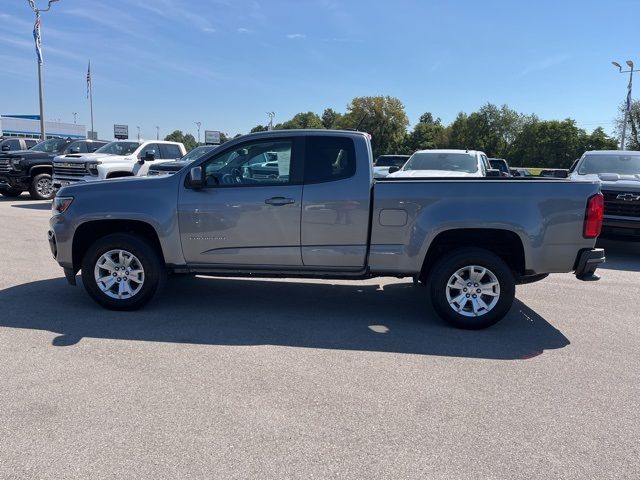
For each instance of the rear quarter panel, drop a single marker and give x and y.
(547, 216)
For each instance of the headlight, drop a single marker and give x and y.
(61, 204)
(92, 168)
(15, 163)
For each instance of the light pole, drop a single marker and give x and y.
(157, 132)
(198, 124)
(38, 39)
(627, 107)
(138, 132)
(75, 114)
(271, 115)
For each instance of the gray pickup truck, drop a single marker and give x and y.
(305, 204)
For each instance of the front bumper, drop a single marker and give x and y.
(14, 181)
(587, 262)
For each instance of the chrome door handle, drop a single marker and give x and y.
(279, 201)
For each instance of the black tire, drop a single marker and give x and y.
(451, 263)
(41, 187)
(154, 271)
(10, 192)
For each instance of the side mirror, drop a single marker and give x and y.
(149, 156)
(394, 169)
(196, 178)
(74, 150)
(492, 172)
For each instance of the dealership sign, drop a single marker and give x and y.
(212, 137)
(121, 132)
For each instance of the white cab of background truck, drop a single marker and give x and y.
(122, 158)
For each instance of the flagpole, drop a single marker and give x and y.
(43, 135)
(93, 132)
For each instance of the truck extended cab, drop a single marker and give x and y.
(122, 158)
(321, 214)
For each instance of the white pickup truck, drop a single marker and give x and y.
(122, 158)
(445, 163)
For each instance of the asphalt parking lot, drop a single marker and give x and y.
(225, 378)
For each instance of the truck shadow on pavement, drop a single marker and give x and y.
(44, 205)
(213, 311)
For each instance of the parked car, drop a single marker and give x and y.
(619, 175)
(169, 168)
(32, 169)
(554, 173)
(384, 162)
(520, 172)
(445, 163)
(324, 216)
(14, 144)
(500, 164)
(122, 158)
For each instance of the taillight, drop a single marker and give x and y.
(593, 217)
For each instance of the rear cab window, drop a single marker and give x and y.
(328, 159)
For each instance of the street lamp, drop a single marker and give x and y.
(271, 115)
(138, 132)
(75, 114)
(38, 39)
(157, 132)
(198, 124)
(627, 109)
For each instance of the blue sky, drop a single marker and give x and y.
(225, 63)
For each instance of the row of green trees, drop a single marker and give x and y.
(501, 132)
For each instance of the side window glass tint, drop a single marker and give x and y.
(328, 159)
(257, 163)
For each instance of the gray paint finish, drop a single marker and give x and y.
(328, 224)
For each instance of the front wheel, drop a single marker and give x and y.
(122, 271)
(41, 187)
(472, 288)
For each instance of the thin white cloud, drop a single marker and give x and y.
(243, 30)
(209, 29)
(544, 64)
(296, 35)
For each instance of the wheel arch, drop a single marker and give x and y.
(507, 244)
(87, 233)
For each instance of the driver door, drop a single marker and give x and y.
(248, 214)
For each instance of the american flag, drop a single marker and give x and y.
(89, 79)
(38, 39)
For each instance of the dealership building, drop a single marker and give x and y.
(29, 126)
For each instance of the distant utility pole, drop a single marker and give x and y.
(38, 39)
(627, 107)
(271, 115)
(198, 124)
(138, 132)
(157, 132)
(75, 114)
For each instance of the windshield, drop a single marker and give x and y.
(499, 165)
(613, 163)
(49, 146)
(456, 162)
(390, 161)
(119, 148)
(196, 153)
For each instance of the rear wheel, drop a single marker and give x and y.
(122, 271)
(472, 288)
(41, 187)
(10, 192)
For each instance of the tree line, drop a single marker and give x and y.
(499, 131)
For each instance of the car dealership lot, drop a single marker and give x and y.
(225, 378)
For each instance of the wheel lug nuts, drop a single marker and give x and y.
(464, 289)
(468, 284)
(478, 291)
(119, 279)
(475, 296)
(115, 274)
(117, 269)
(467, 295)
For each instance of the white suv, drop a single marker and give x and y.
(122, 158)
